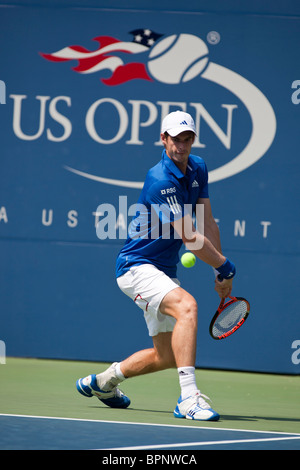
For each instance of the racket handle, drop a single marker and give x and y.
(220, 278)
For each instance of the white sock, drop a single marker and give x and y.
(187, 381)
(111, 377)
(119, 373)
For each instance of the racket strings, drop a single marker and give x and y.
(230, 317)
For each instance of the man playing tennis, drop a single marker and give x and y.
(146, 272)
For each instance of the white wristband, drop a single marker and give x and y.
(216, 273)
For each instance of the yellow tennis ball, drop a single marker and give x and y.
(188, 260)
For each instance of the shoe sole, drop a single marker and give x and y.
(214, 417)
(116, 402)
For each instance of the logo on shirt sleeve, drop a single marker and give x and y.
(168, 191)
(172, 199)
(173, 203)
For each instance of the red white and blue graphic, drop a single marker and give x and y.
(172, 60)
(111, 54)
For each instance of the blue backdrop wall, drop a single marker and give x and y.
(84, 87)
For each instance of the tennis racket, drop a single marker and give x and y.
(229, 317)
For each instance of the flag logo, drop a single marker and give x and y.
(112, 54)
(174, 59)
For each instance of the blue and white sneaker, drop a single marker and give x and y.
(111, 396)
(195, 407)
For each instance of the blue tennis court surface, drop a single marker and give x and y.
(34, 433)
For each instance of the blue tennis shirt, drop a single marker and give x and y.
(167, 195)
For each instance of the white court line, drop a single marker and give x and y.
(183, 426)
(207, 443)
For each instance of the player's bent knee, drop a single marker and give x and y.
(190, 313)
(180, 305)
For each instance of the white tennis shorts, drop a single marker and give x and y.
(147, 286)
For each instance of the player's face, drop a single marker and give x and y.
(178, 148)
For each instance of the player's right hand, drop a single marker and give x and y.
(223, 287)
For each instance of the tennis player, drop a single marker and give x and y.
(146, 272)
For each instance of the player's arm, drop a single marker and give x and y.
(212, 232)
(199, 243)
(210, 227)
